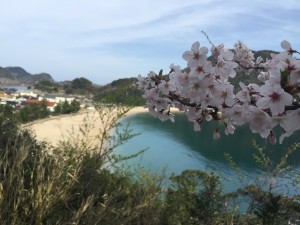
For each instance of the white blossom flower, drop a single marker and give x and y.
(243, 55)
(243, 95)
(142, 83)
(196, 55)
(152, 93)
(166, 86)
(290, 123)
(286, 45)
(229, 129)
(197, 89)
(225, 96)
(263, 76)
(225, 68)
(259, 121)
(295, 76)
(274, 98)
(200, 69)
(274, 77)
(236, 113)
(183, 79)
(151, 75)
(193, 114)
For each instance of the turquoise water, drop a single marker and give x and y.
(176, 147)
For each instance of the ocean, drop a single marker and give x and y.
(15, 87)
(174, 147)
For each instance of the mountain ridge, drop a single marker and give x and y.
(16, 75)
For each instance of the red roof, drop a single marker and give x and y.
(49, 104)
(6, 96)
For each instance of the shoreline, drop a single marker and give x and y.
(135, 110)
(141, 109)
(67, 127)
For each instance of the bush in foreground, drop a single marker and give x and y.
(78, 183)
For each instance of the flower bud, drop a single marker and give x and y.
(272, 138)
(219, 115)
(216, 134)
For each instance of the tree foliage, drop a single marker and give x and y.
(8, 125)
(122, 91)
(73, 185)
(47, 86)
(67, 107)
(33, 111)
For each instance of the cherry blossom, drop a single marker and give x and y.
(244, 94)
(295, 76)
(275, 98)
(204, 93)
(290, 123)
(197, 89)
(244, 56)
(196, 55)
(225, 66)
(286, 45)
(260, 122)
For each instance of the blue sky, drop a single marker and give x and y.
(107, 40)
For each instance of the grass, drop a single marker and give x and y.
(73, 184)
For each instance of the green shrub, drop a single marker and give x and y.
(78, 183)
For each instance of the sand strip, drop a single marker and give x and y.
(66, 127)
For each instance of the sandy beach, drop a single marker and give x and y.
(67, 127)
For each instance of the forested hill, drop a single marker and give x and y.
(123, 91)
(19, 76)
(265, 54)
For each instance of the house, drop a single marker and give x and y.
(28, 93)
(6, 99)
(50, 105)
(4, 96)
(57, 98)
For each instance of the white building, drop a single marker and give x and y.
(28, 93)
(57, 98)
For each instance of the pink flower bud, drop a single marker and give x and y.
(272, 138)
(216, 134)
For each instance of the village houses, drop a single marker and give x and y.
(20, 98)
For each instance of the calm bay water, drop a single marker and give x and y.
(176, 147)
(16, 87)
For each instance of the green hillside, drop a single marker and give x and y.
(6, 74)
(19, 76)
(122, 91)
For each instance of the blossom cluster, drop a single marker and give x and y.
(202, 90)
